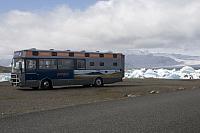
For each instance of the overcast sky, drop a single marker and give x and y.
(116, 25)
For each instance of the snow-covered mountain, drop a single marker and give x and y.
(150, 61)
(185, 59)
(5, 62)
(145, 59)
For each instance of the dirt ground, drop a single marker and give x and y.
(14, 101)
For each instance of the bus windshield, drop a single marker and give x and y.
(16, 65)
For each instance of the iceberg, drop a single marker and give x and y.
(151, 74)
(4, 77)
(187, 69)
(186, 72)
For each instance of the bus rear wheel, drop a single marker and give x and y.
(35, 88)
(46, 84)
(98, 82)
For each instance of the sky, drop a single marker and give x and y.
(171, 26)
(36, 5)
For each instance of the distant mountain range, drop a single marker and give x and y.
(5, 69)
(158, 60)
(144, 59)
(150, 61)
(5, 62)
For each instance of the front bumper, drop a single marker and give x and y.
(15, 80)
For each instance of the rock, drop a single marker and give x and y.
(181, 88)
(125, 95)
(194, 87)
(131, 95)
(154, 92)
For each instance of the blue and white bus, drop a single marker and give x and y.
(47, 68)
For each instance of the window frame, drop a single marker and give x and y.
(73, 62)
(101, 64)
(101, 55)
(115, 64)
(87, 54)
(46, 65)
(35, 53)
(93, 64)
(115, 55)
(84, 68)
(26, 64)
(53, 53)
(71, 54)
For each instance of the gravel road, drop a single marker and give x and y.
(15, 101)
(175, 112)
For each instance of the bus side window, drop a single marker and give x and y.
(114, 63)
(81, 64)
(30, 64)
(47, 64)
(65, 64)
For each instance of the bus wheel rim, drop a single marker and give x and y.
(46, 84)
(98, 82)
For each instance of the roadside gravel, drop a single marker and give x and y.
(15, 101)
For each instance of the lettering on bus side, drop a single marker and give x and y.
(63, 74)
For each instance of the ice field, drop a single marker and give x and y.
(183, 73)
(186, 72)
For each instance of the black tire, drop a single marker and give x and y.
(46, 84)
(98, 82)
(35, 88)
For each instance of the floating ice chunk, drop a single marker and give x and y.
(163, 72)
(135, 73)
(184, 73)
(151, 74)
(187, 69)
(4, 77)
(138, 74)
(173, 76)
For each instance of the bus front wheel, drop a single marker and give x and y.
(98, 82)
(46, 84)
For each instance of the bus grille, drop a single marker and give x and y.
(15, 80)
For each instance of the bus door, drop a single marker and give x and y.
(31, 73)
(65, 69)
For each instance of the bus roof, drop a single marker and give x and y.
(63, 53)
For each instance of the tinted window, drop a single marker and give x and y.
(91, 63)
(87, 55)
(80, 64)
(35, 53)
(71, 54)
(101, 55)
(16, 65)
(114, 63)
(47, 64)
(65, 64)
(114, 55)
(30, 64)
(54, 53)
(101, 63)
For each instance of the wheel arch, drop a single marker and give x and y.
(102, 80)
(46, 78)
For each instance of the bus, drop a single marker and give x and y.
(48, 68)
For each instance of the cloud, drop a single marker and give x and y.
(108, 25)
